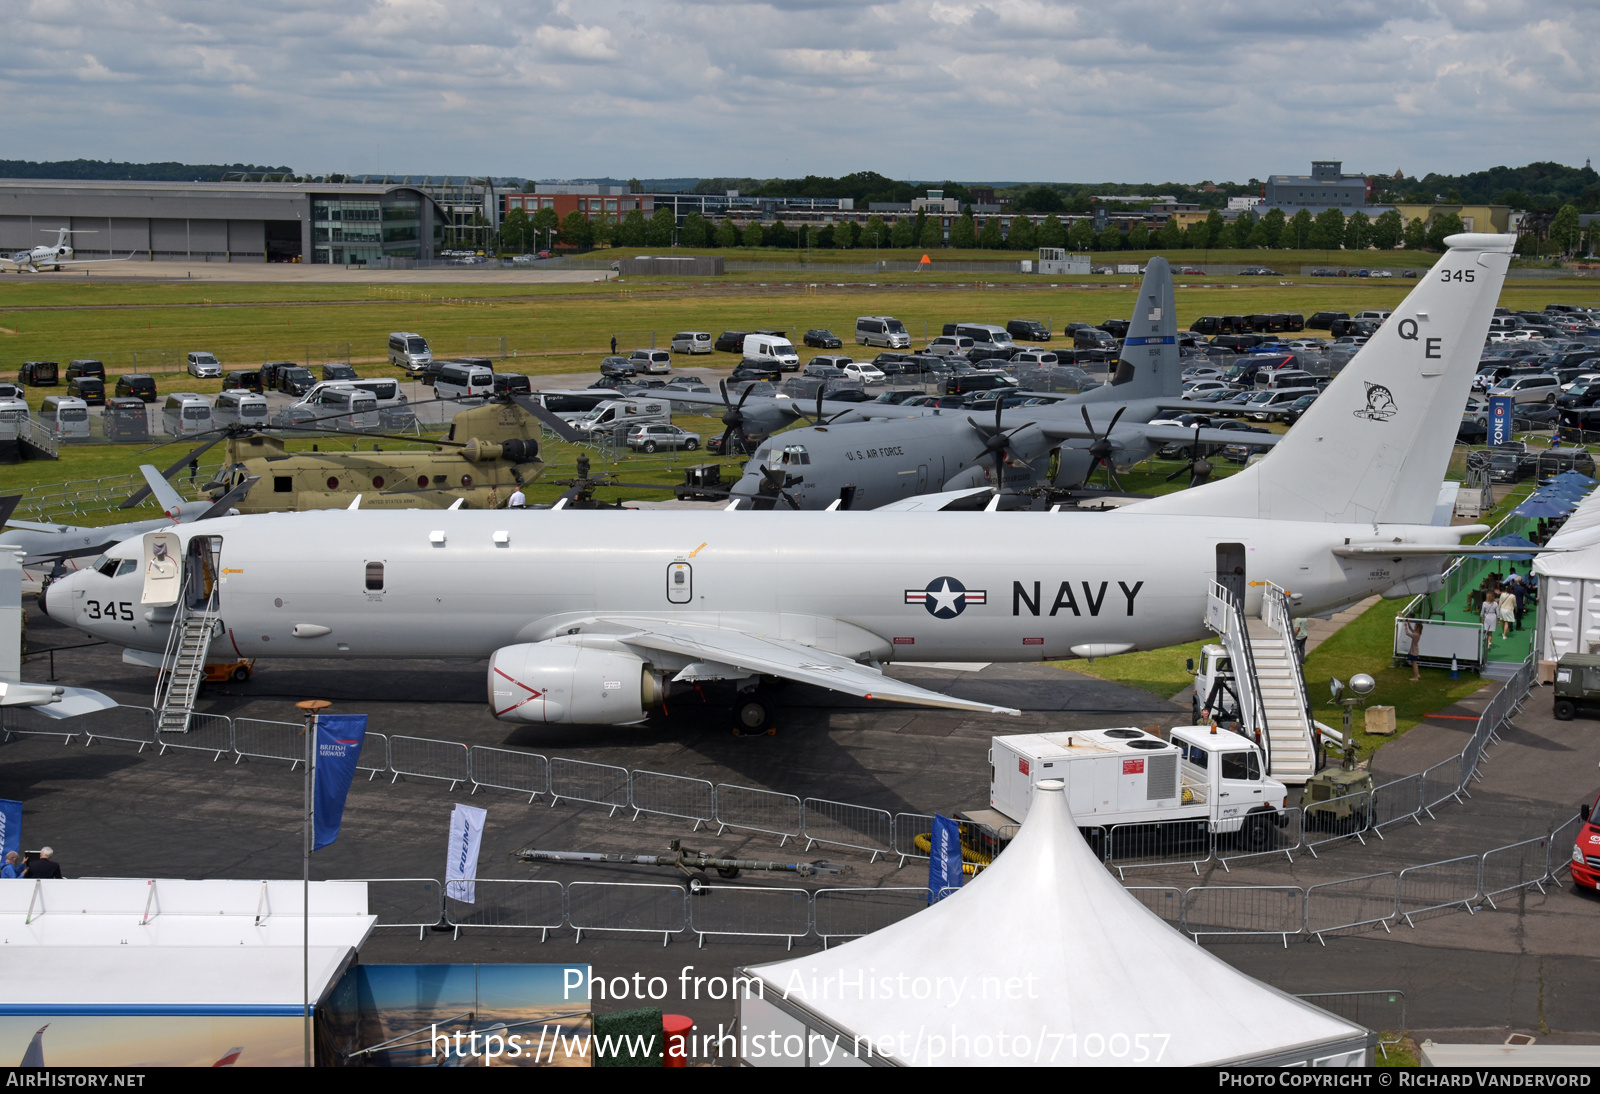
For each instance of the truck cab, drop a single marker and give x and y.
(1586, 848)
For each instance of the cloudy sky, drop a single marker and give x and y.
(1123, 90)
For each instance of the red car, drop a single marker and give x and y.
(1586, 849)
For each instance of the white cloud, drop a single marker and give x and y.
(1143, 90)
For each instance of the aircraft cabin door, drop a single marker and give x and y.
(163, 569)
(1230, 570)
(204, 565)
(680, 583)
(922, 478)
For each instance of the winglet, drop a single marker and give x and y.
(355, 503)
(170, 500)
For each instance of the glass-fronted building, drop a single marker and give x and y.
(353, 231)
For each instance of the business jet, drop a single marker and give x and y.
(596, 617)
(38, 259)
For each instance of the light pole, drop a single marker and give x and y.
(311, 708)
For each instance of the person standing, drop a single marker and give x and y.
(1519, 589)
(1490, 614)
(12, 867)
(518, 499)
(1302, 631)
(613, 345)
(1414, 632)
(43, 866)
(1508, 610)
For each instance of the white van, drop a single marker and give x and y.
(882, 330)
(464, 382)
(341, 406)
(65, 417)
(409, 351)
(985, 334)
(768, 349)
(691, 341)
(624, 413)
(240, 407)
(387, 392)
(185, 413)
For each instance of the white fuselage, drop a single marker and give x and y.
(1048, 582)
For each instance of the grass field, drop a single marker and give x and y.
(555, 329)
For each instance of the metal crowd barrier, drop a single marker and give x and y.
(527, 904)
(1436, 885)
(23, 722)
(507, 769)
(672, 796)
(424, 758)
(1398, 800)
(581, 781)
(844, 825)
(405, 902)
(211, 733)
(263, 740)
(752, 810)
(129, 724)
(1354, 902)
(1244, 910)
(1515, 866)
(650, 907)
(1164, 843)
(750, 912)
(850, 913)
(374, 758)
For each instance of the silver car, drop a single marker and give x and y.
(204, 365)
(648, 438)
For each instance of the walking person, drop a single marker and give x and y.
(1508, 610)
(1414, 632)
(1490, 614)
(1302, 631)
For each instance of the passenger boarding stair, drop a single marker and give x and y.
(184, 662)
(1274, 706)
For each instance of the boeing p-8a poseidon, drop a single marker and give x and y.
(594, 616)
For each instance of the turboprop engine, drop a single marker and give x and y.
(553, 682)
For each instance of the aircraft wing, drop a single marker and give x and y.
(790, 660)
(1161, 434)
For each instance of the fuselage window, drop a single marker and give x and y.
(374, 577)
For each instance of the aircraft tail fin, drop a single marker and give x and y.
(168, 498)
(1149, 367)
(1375, 445)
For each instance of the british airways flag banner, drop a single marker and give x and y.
(339, 738)
(461, 867)
(944, 858)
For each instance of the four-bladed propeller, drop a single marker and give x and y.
(997, 443)
(1198, 468)
(1102, 448)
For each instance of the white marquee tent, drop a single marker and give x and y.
(1043, 959)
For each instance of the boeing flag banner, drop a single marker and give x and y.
(944, 859)
(1499, 419)
(461, 866)
(339, 738)
(10, 827)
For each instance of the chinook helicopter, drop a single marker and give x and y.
(489, 451)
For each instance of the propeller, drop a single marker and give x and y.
(733, 419)
(998, 444)
(1199, 468)
(1102, 448)
(771, 489)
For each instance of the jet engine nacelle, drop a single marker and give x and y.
(553, 682)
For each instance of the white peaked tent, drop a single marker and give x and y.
(1043, 959)
(1569, 585)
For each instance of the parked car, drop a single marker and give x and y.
(866, 373)
(338, 371)
(691, 342)
(297, 416)
(295, 379)
(86, 367)
(243, 380)
(138, 385)
(203, 365)
(730, 341)
(648, 438)
(818, 338)
(1028, 330)
(652, 361)
(618, 368)
(826, 367)
(1323, 320)
(507, 384)
(755, 370)
(950, 345)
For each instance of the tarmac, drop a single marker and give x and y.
(1532, 967)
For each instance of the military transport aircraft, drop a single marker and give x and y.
(37, 259)
(873, 454)
(595, 617)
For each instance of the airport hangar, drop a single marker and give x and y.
(337, 223)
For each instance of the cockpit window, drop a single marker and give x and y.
(105, 566)
(796, 454)
(127, 566)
